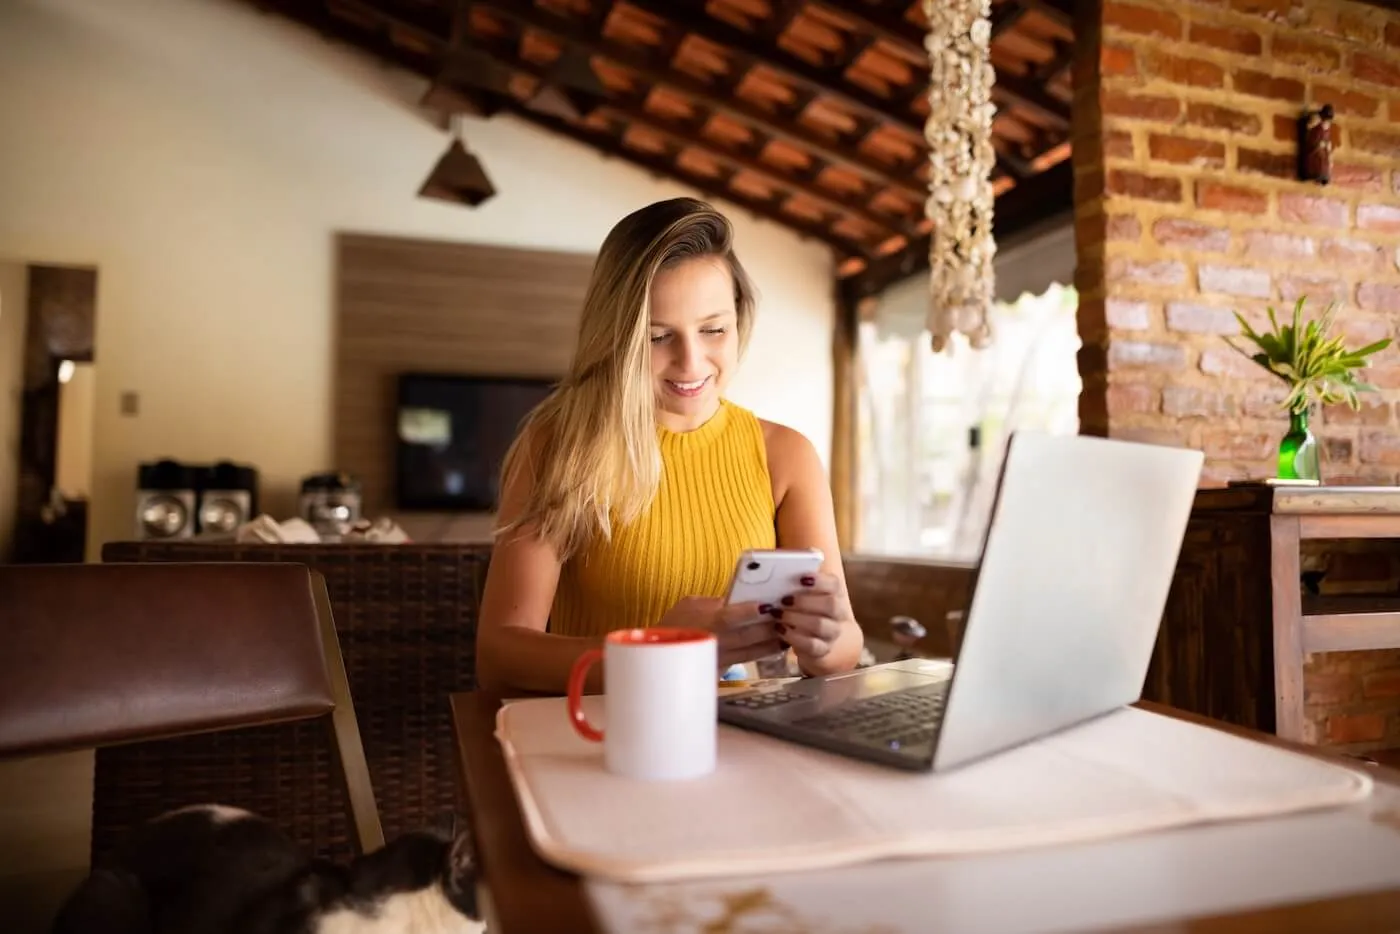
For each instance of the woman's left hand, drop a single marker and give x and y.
(814, 618)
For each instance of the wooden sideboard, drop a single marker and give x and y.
(1238, 625)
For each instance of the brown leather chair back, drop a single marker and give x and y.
(102, 655)
(405, 617)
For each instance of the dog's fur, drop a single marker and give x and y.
(215, 870)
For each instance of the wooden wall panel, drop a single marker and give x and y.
(433, 306)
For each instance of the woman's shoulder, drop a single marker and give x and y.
(792, 458)
(784, 438)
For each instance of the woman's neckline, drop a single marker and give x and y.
(703, 434)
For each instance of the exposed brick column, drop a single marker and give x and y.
(1090, 219)
(1188, 208)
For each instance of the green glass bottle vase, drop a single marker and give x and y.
(1297, 452)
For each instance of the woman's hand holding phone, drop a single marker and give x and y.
(745, 631)
(811, 620)
(810, 607)
(778, 599)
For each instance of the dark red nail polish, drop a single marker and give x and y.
(809, 581)
(765, 608)
(777, 613)
(787, 601)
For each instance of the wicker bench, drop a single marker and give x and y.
(406, 619)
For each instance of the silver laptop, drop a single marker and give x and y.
(1078, 557)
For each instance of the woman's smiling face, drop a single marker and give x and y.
(694, 340)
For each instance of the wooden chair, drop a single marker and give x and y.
(228, 656)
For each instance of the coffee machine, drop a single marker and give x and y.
(228, 497)
(167, 500)
(330, 503)
(176, 500)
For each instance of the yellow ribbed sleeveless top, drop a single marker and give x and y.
(715, 500)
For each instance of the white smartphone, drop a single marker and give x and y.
(768, 575)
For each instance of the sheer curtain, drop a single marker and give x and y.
(933, 427)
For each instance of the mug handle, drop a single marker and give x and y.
(576, 678)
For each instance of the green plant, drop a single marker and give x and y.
(1315, 364)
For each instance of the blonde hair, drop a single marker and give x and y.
(591, 446)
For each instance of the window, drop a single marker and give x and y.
(932, 428)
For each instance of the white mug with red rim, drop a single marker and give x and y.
(659, 690)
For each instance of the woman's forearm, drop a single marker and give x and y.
(516, 659)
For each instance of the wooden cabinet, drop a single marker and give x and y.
(1238, 625)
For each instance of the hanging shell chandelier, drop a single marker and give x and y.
(960, 200)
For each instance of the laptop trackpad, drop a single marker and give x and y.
(871, 682)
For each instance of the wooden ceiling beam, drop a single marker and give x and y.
(1014, 165)
(889, 225)
(598, 14)
(908, 37)
(711, 188)
(689, 135)
(691, 16)
(564, 29)
(636, 113)
(1034, 200)
(1032, 97)
(316, 14)
(784, 12)
(671, 41)
(1064, 57)
(894, 29)
(1006, 16)
(770, 175)
(1059, 12)
(852, 53)
(313, 14)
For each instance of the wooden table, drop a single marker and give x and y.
(1327, 871)
(1236, 631)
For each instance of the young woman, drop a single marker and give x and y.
(631, 490)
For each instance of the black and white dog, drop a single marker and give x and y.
(216, 870)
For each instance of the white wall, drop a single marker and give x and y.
(14, 313)
(203, 154)
(73, 470)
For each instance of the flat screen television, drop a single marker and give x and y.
(453, 432)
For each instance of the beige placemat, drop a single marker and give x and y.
(772, 806)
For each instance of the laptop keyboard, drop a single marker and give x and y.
(894, 721)
(766, 700)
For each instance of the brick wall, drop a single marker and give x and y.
(1188, 208)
